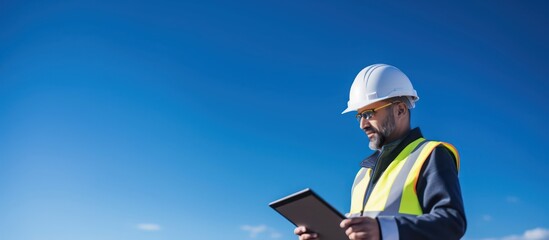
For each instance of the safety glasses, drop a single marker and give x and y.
(369, 114)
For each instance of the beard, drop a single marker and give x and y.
(381, 134)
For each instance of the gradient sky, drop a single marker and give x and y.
(174, 120)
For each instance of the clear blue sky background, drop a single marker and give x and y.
(183, 119)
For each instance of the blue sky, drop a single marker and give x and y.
(184, 119)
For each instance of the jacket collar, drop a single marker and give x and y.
(391, 151)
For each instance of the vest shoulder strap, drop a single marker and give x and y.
(410, 203)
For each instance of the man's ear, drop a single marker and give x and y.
(401, 109)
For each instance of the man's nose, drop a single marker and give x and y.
(364, 123)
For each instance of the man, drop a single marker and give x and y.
(409, 188)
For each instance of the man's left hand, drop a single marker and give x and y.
(361, 228)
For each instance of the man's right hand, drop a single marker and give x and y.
(304, 235)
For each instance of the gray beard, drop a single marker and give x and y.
(378, 140)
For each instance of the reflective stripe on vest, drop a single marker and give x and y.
(395, 192)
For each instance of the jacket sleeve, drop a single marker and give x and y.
(439, 194)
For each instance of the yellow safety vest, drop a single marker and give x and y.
(395, 192)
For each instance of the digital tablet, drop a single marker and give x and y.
(306, 208)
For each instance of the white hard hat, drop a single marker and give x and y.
(379, 82)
